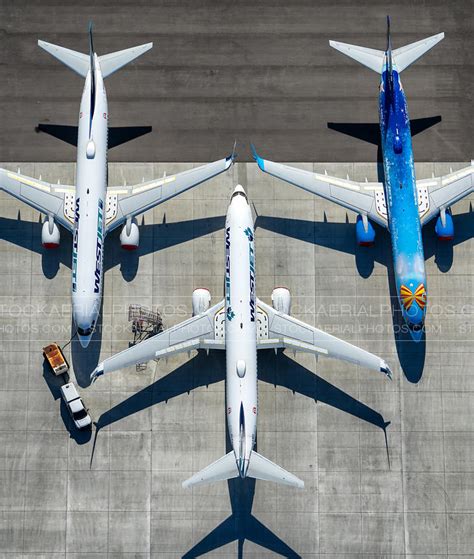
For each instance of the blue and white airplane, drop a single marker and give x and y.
(401, 204)
(90, 210)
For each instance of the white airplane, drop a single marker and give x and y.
(91, 210)
(240, 325)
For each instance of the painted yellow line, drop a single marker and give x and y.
(29, 182)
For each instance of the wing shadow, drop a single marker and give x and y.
(154, 237)
(336, 236)
(27, 234)
(203, 370)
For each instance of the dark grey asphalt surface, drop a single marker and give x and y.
(256, 71)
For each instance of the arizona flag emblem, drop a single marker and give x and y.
(408, 296)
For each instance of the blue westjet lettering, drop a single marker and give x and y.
(74, 246)
(98, 252)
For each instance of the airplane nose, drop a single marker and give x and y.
(239, 188)
(238, 192)
(85, 311)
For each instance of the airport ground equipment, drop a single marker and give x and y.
(145, 323)
(55, 357)
(75, 406)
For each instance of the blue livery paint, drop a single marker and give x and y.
(364, 238)
(402, 198)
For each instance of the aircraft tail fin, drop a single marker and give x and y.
(110, 63)
(74, 60)
(80, 63)
(262, 468)
(259, 468)
(371, 58)
(220, 470)
(408, 54)
(398, 59)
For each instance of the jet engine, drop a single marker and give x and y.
(445, 231)
(281, 300)
(365, 232)
(50, 234)
(130, 236)
(201, 300)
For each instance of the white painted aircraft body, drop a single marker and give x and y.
(241, 324)
(91, 209)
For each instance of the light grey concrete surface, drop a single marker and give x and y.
(224, 69)
(118, 493)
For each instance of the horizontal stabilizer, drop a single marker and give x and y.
(77, 61)
(110, 63)
(408, 54)
(220, 470)
(118, 135)
(259, 468)
(402, 57)
(262, 468)
(371, 58)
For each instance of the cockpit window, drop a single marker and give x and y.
(84, 332)
(238, 193)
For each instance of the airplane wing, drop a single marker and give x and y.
(364, 198)
(204, 331)
(286, 332)
(437, 194)
(128, 202)
(56, 200)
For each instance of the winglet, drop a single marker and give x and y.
(97, 372)
(233, 156)
(384, 368)
(258, 159)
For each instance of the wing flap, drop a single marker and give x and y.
(42, 196)
(356, 196)
(181, 338)
(442, 192)
(293, 334)
(139, 198)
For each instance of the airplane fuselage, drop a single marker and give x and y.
(402, 202)
(240, 330)
(89, 222)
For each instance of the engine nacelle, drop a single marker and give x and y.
(201, 300)
(50, 235)
(445, 232)
(365, 238)
(131, 240)
(281, 300)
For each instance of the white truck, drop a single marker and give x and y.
(75, 405)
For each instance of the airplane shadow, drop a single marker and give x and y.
(241, 525)
(341, 237)
(153, 237)
(203, 370)
(85, 360)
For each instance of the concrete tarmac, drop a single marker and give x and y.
(117, 492)
(260, 72)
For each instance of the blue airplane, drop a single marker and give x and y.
(401, 203)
